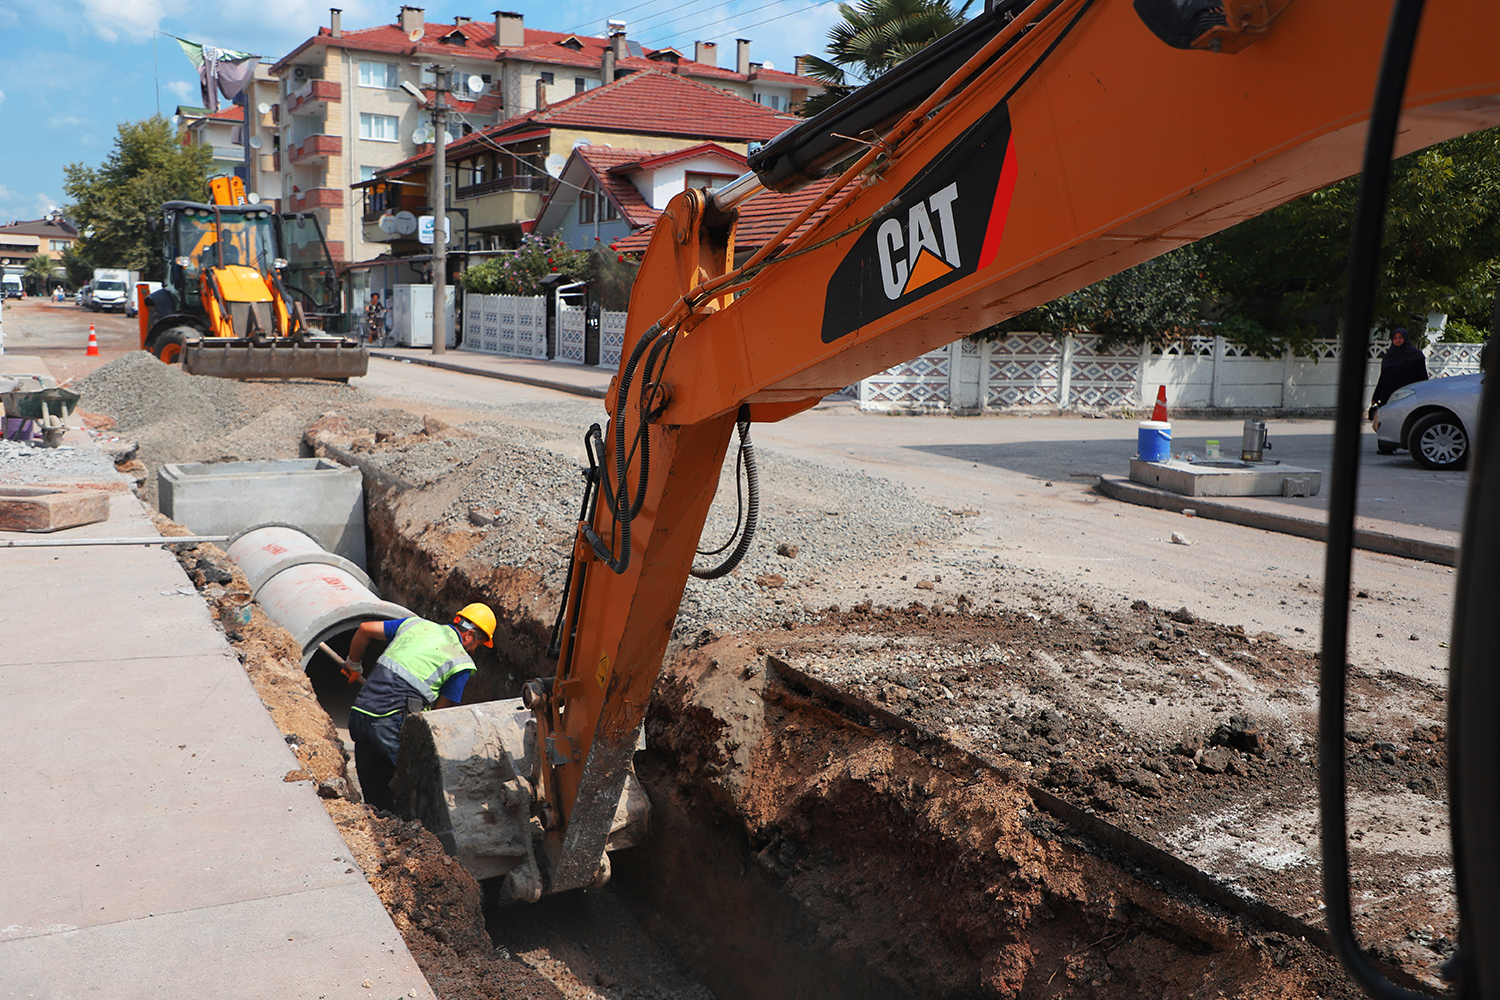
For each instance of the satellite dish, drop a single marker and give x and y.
(447, 138)
(476, 83)
(416, 34)
(387, 224)
(555, 164)
(579, 143)
(253, 198)
(406, 223)
(256, 142)
(422, 136)
(263, 108)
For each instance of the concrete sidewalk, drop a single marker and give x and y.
(581, 380)
(150, 844)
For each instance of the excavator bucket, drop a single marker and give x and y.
(468, 774)
(335, 358)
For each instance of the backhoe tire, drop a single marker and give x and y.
(169, 344)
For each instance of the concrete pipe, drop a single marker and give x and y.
(264, 550)
(315, 599)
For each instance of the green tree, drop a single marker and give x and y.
(39, 273)
(1281, 276)
(873, 37)
(520, 272)
(113, 202)
(1158, 299)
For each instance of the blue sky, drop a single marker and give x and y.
(71, 71)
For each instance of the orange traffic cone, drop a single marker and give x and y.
(93, 351)
(1160, 413)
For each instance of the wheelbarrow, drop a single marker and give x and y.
(47, 409)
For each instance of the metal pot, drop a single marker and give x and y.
(1254, 443)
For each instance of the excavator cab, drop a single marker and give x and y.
(232, 302)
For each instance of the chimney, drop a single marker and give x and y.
(335, 22)
(510, 30)
(411, 19)
(706, 52)
(607, 65)
(742, 56)
(541, 94)
(617, 44)
(459, 20)
(799, 65)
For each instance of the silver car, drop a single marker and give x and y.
(1434, 420)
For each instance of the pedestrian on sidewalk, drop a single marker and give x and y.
(1402, 364)
(425, 665)
(374, 319)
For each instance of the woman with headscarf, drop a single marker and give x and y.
(1403, 364)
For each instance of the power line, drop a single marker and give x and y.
(618, 15)
(769, 20)
(710, 24)
(647, 26)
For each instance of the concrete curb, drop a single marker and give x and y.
(452, 366)
(1118, 488)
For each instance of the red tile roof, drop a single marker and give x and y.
(760, 219)
(545, 47)
(654, 103)
(653, 161)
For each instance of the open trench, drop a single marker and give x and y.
(831, 830)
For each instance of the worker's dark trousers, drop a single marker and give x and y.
(375, 744)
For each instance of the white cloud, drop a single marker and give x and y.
(41, 205)
(64, 122)
(2, 97)
(186, 92)
(133, 20)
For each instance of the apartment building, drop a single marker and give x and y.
(21, 241)
(226, 133)
(343, 115)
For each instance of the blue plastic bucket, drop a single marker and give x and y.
(1154, 441)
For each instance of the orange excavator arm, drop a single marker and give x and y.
(1042, 150)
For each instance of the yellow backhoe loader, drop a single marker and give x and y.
(242, 290)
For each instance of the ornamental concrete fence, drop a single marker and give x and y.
(1030, 371)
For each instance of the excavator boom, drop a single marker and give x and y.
(1039, 149)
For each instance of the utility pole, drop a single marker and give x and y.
(442, 83)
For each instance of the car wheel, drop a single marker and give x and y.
(1384, 448)
(168, 346)
(1438, 442)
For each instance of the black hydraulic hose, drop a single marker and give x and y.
(585, 515)
(1363, 274)
(752, 505)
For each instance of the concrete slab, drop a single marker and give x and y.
(151, 846)
(1227, 478)
(322, 497)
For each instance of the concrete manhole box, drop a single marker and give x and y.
(320, 496)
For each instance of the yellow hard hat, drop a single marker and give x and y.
(483, 617)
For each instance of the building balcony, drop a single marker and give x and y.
(301, 201)
(313, 93)
(316, 149)
(515, 182)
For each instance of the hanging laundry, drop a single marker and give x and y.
(220, 71)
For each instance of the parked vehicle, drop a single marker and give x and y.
(81, 297)
(110, 290)
(12, 286)
(133, 303)
(1433, 420)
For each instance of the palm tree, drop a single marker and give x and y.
(39, 271)
(874, 36)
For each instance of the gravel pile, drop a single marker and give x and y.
(22, 464)
(517, 481)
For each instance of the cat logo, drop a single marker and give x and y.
(944, 225)
(930, 240)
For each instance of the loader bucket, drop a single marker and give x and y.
(283, 357)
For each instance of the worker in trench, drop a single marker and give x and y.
(425, 665)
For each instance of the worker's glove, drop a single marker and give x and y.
(354, 671)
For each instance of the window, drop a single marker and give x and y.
(594, 204)
(580, 84)
(776, 102)
(374, 74)
(60, 245)
(367, 173)
(381, 128)
(704, 181)
(549, 78)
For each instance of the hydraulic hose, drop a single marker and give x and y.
(752, 506)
